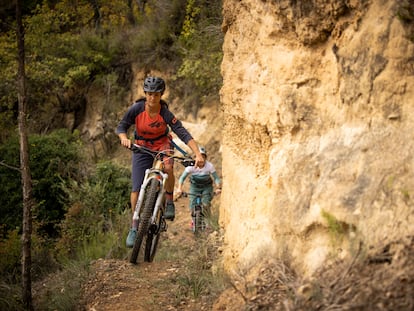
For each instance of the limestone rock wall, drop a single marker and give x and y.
(318, 142)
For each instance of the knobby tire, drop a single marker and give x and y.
(151, 245)
(198, 219)
(144, 221)
(153, 236)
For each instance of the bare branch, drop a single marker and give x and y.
(10, 166)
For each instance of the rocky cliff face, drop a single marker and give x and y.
(318, 140)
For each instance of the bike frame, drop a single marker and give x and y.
(156, 172)
(198, 210)
(198, 201)
(149, 210)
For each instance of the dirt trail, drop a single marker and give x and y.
(164, 284)
(174, 281)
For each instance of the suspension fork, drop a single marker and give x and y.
(138, 206)
(162, 178)
(141, 195)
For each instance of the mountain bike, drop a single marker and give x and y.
(200, 213)
(150, 207)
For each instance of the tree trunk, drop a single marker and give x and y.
(24, 165)
(141, 6)
(131, 17)
(96, 14)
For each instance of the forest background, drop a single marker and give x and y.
(73, 47)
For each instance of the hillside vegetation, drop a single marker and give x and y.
(78, 52)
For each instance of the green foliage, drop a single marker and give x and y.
(95, 207)
(10, 297)
(64, 289)
(43, 257)
(10, 258)
(192, 285)
(64, 55)
(53, 158)
(104, 191)
(10, 250)
(75, 75)
(10, 242)
(69, 57)
(200, 277)
(8, 93)
(405, 13)
(152, 45)
(335, 226)
(70, 45)
(192, 11)
(114, 182)
(90, 227)
(69, 48)
(337, 229)
(200, 45)
(201, 72)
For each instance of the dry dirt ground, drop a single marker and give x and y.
(179, 278)
(185, 275)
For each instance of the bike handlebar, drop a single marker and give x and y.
(185, 194)
(185, 161)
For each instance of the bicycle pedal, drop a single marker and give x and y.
(164, 225)
(153, 229)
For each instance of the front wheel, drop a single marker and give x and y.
(153, 236)
(151, 192)
(199, 224)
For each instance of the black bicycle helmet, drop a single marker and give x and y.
(154, 84)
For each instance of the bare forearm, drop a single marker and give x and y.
(199, 160)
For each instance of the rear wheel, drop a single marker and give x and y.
(151, 192)
(153, 237)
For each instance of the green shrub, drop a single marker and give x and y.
(53, 158)
(337, 229)
(95, 207)
(63, 290)
(43, 261)
(10, 297)
(10, 250)
(200, 45)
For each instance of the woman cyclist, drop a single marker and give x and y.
(152, 119)
(201, 182)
